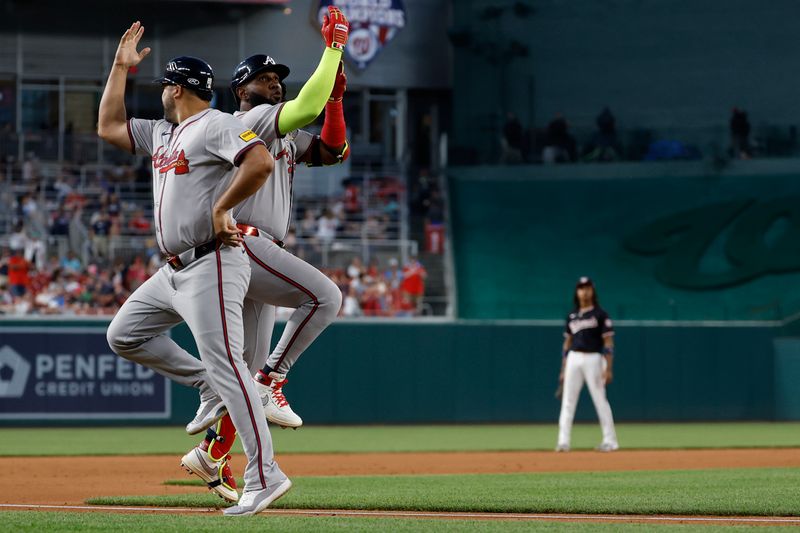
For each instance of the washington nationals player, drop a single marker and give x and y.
(195, 151)
(278, 277)
(588, 355)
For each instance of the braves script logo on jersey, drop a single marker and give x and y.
(177, 160)
(289, 160)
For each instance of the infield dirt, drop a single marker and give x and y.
(71, 480)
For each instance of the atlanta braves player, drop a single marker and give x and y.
(588, 332)
(278, 277)
(195, 151)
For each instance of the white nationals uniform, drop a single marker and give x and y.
(279, 278)
(205, 283)
(586, 363)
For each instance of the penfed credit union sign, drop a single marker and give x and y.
(71, 373)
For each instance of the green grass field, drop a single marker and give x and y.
(37, 521)
(363, 439)
(761, 492)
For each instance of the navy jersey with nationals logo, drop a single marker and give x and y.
(588, 329)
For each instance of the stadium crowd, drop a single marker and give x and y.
(74, 249)
(65, 286)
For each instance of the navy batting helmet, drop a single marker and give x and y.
(247, 70)
(190, 72)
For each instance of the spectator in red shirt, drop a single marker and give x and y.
(18, 280)
(413, 284)
(139, 224)
(74, 200)
(352, 200)
(137, 274)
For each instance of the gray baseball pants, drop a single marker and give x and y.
(279, 278)
(207, 294)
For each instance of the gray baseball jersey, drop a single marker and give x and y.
(192, 165)
(278, 277)
(199, 157)
(270, 209)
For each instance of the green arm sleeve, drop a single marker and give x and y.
(313, 96)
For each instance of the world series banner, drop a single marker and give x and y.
(373, 24)
(71, 373)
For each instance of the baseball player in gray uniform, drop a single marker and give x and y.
(278, 277)
(195, 153)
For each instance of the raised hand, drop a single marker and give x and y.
(335, 28)
(340, 85)
(127, 56)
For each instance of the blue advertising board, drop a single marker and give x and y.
(71, 373)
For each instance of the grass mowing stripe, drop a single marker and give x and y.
(357, 439)
(757, 492)
(63, 522)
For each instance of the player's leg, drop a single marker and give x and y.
(282, 279)
(210, 459)
(573, 383)
(210, 295)
(593, 369)
(259, 321)
(137, 333)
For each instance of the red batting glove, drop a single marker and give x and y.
(340, 85)
(335, 28)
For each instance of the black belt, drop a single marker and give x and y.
(252, 231)
(181, 261)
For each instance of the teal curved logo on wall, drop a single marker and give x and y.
(745, 238)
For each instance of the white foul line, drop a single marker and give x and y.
(421, 514)
(109, 508)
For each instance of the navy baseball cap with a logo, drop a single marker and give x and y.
(247, 69)
(190, 72)
(584, 281)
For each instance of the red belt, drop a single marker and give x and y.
(252, 231)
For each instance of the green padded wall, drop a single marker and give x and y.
(787, 377)
(691, 246)
(473, 371)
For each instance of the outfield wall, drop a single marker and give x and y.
(669, 241)
(468, 371)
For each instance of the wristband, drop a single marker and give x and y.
(334, 130)
(564, 353)
(608, 351)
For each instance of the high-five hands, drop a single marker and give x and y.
(126, 55)
(335, 29)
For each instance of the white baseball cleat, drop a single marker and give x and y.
(562, 448)
(208, 413)
(217, 475)
(607, 447)
(276, 407)
(253, 502)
